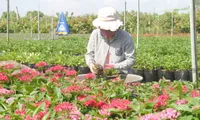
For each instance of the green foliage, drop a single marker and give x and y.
(149, 23)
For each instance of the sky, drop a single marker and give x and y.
(81, 7)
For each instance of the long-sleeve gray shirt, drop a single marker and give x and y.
(120, 48)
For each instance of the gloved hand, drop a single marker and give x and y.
(108, 66)
(93, 68)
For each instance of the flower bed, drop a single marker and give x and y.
(58, 94)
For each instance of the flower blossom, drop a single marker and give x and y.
(20, 112)
(3, 77)
(70, 89)
(41, 64)
(9, 66)
(89, 76)
(170, 114)
(120, 104)
(161, 100)
(4, 92)
(150, 117)
(182, 101)
(195, 93)
(73, 112)
(71, 73)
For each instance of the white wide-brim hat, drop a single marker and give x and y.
(107, 19)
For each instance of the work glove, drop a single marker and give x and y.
(93, 68)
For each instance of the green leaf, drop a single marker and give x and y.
(181, 107)
(190, 117)
(30, 106)
(46, 116)
(42, 106)
(41, 96)
(57, 92)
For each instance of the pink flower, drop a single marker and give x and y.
(47, 103)
(71, 73)
(184, 89)
(90, 103)
(150, 117)
(116, 79)
(41, 114)
(155, 86)
(43, 89)
(136, 84)
(56, 68)
(81, 97)
(7, 117)
(120, 104)
(182, 101)
(9, 99)
(170, 114)
(65, 106)
(70, 89)
(75, 115)
(8, 66)
(104, 112)
(195, 93)
(4, 92)
(57, 75)
(89, 76)
(20, 112)
(41, 64)
(161, 101)
(25, 78)
(3, 77)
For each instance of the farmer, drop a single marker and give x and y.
(108, 45)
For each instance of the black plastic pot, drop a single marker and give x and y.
(190, 75)
(150, 75)
(138, 72)
(73, 68)
(166, 74)
(83, 69)
(182, 75)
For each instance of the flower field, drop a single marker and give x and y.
(156, 54)
(56, 93)
(52, 90)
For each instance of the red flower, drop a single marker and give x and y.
(81, 97)
(56, 68)
(120, 104)
(43, 89)
(41, 64)
(89, 76)
(70, 89)
(8, 66)
(20, 112)
(6, 92)
(161, 101)
(47, 103)
(182, 101)
(184, 89)
(71, 73)
(155, 86)
(65, 106)
(3, 77)
(90, 103)
(41, 114)
(25, 78)
(195, 93)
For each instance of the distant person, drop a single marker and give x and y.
(108, 45)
